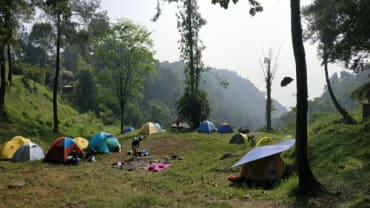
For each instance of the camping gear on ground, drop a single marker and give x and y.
(225, 128)
(61, 149)
(264, 162)
(155, 167)
(264, 141)
(149, 128)
(206, 127)
(104, 142)
(30, 151)
(127, 129)
(8, 148)
(182, 125)
(81, 142)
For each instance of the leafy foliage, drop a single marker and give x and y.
(127, 56)
(194, 107)
(343, 27)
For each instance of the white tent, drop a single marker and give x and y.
(27, 152)
(264, 151)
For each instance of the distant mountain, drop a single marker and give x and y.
(240, 104)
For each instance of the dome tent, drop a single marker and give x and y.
(61, 149)
(104, 142)
(149, 128)
(225, 128)
(8, 149)
(206, 127)
(30, 151)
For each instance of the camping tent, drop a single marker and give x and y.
(238, 138)
(30, 151)
(206, 127)
(81, 142)
(225, 128)
(61, 149)
(267, 168)
(8, 149)
(159, 127)
(127, 129)
(264, 162)
(148, 129)
(264, 141)
(104, 142)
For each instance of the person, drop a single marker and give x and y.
(135, 144)
(75, 160)
(177, 122)
(91, 155)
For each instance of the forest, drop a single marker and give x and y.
(66, 70)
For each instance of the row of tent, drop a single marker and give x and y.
(20, 149)
(208, 127)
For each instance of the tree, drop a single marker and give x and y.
(308, 185)
(189, 22)
(269, 73)
(85, 90)
(126, 53)
(11, 14)
(61, 13)
(326, 34)
(343, 25)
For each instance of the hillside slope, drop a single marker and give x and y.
(30, 114)
(339, 155)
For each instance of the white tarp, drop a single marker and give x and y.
(264, 151)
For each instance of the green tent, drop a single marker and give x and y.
(239, 138)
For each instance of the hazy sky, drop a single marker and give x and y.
(234, 40)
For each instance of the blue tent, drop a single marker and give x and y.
(206, 127)
(225, 128)
(104, 142)
(265, 151)
(127, 129)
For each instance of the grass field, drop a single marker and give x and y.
(199, 180)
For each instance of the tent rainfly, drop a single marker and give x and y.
(265, 151)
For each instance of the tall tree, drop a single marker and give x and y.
(308, 185)
(269, 71)
(126, 53)
(322, 29)
(68, 17)
(11, 14)
(189, 23)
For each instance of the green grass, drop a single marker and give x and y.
(338, 156)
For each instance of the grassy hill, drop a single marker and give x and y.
(30, 114)
(339, 155)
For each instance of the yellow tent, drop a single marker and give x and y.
(81, 142)
(148, 128)
(264, 141)
(8, 149)
(267, 168)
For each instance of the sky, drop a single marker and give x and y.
(234, 40)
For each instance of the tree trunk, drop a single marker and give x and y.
(308, 185)
(268, 100)
(346, 117)
(2, 80)
(193, 85)
(56, 77)
(10, 69)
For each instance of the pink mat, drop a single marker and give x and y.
(155, 167)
